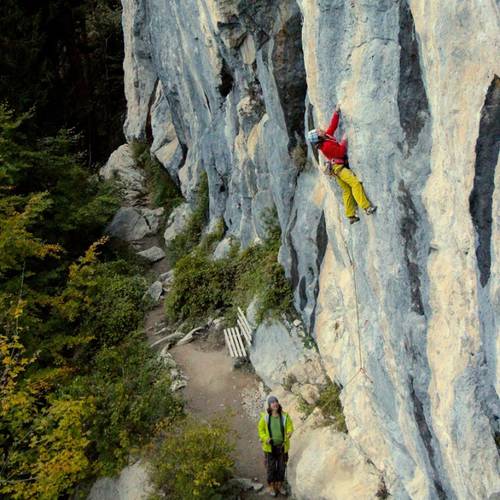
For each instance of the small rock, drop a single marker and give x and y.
(153, 254)
(167, 277)
(155, 291)
(178, 384)
(246, 484)
(167, 359)
(310, 393)
(297, 323)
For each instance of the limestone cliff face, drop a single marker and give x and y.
(405, 305)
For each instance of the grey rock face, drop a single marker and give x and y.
(155, 290)
(121, 165)
(404, 306)
(132, 484)
(153, 254)
(131, 223)
(177, 222)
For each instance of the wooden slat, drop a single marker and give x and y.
(229, 346)
(247, 328)
(227, 343)
(233, 343)
(244, 332)
(240, 340)
(244, 319)
(236, 341)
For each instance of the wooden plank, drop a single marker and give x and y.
(244, 332)
(245, 321)
(240, 341)
(227, 343)
(233, 343)
(236, 336)
(229, 346)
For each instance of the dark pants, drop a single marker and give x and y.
(276, 464)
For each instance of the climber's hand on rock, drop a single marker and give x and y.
(337, 108)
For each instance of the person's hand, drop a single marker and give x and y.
(268, 441)
(337, 107)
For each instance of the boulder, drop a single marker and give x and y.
(131, 223)
(153, 254)
(222, 249)
(132, 484)
(177, 222)
(277, 353)
(122, 166)
(155, 290)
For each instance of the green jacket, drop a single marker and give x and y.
(264, 435)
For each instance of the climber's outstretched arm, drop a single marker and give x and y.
(333, 123)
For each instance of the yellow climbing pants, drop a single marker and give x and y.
(352, 191)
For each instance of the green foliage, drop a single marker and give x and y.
(102, 300)
(184, 242)
(203, 285)
(71, 70)
(130, 391)
(209, 241)
(200, 287)
(193, 460)
(164, 192)
(331, 407)
(78, 390)
(74, 204)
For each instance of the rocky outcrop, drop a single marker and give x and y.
(131, 223)
(122, 167)
(404, 306)
(132, 484)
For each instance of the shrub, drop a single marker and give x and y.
(200, 286)
(203, 285)
(130, 392)
(331, 407)
(192, 460)
(185, 241)
(102, 300)
(164, 191)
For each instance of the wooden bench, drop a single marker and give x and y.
(237, 336)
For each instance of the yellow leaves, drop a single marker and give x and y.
(56, 439)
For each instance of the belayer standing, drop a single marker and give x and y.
(275, 428)
(335, 152)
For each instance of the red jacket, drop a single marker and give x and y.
(332, 149)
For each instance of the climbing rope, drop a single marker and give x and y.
(361, 368)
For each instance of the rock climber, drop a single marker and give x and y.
(275, 429)
(337, 165)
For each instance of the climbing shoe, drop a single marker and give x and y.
(354, 219)
(371, 210)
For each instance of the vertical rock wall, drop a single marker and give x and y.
(404, 306)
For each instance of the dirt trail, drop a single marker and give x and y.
(213, 389)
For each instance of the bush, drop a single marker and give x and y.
(200, 287)
(331, 407)
(164, 191)
(203, 285)
(130, 392)
(185, 241)
(192, 460)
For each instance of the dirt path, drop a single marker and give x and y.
(214, 389)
